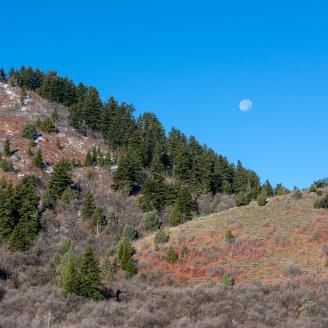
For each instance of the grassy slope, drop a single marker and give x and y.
(284, 230)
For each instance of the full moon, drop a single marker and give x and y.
(245, 105)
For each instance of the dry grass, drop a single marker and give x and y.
(285, 230)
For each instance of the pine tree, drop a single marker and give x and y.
(2, 75)
(6, 148)
(124, 257)
(98, 220)
(154, 193)
(37, 160)
(68, 273)
(92, 109)
(183, 208)
(89, 206)
(268, 189)
(127, 177)
(91, 284)
(182, 163)
(8, 216)
(60, 178)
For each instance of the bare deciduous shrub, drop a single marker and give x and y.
(290, 269)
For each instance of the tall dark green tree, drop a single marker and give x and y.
(60, 179)
(92, 109)
(37, 160)
(89, 205)
(184, 206)
(124, 256)
(91, 285)
(127, 177)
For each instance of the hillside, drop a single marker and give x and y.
(77, 227)
(270, 242)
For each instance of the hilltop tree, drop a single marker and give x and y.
(60, 178)
(92, 109)
(268, 188)
(37, 160)
(89, 206)
(6, 147)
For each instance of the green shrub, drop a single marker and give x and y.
(6, 165)
(124, 256)
(171, 255)
(29, 131)
(319, 193)
(229, 237)
(161, 237)
(226, 280)
(313, 188)
(46, 125)
(261, 199)
(131, 233)
(150, 221)
(243, 198)
(321, 202)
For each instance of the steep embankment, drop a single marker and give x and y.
(282, 238)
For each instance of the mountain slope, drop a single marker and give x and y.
(278, 239)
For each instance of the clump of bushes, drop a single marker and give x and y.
(131, 233)
(161, 237)
(321, 202)
(29, 131)
(261, 199)
(150, 221)
(229, 237)
(46, 125)
(171, 256)
(6, 165)
(243, 198)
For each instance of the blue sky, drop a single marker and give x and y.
(191, 62)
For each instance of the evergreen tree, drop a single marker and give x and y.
(127, 177)
(89, 206)
(154, 193)
(91, 284)
(37, 160)
(92, 109)
(88, 159)
(68, 273)
(152, 133)
(268, 188)
(60, 179)
(98, 220)
(6, 147)
(119, 124)
(3, 78)
(124, 257)
(183, 208)
(8, 215)
(182, 163)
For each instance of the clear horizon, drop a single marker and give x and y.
(191, 64)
